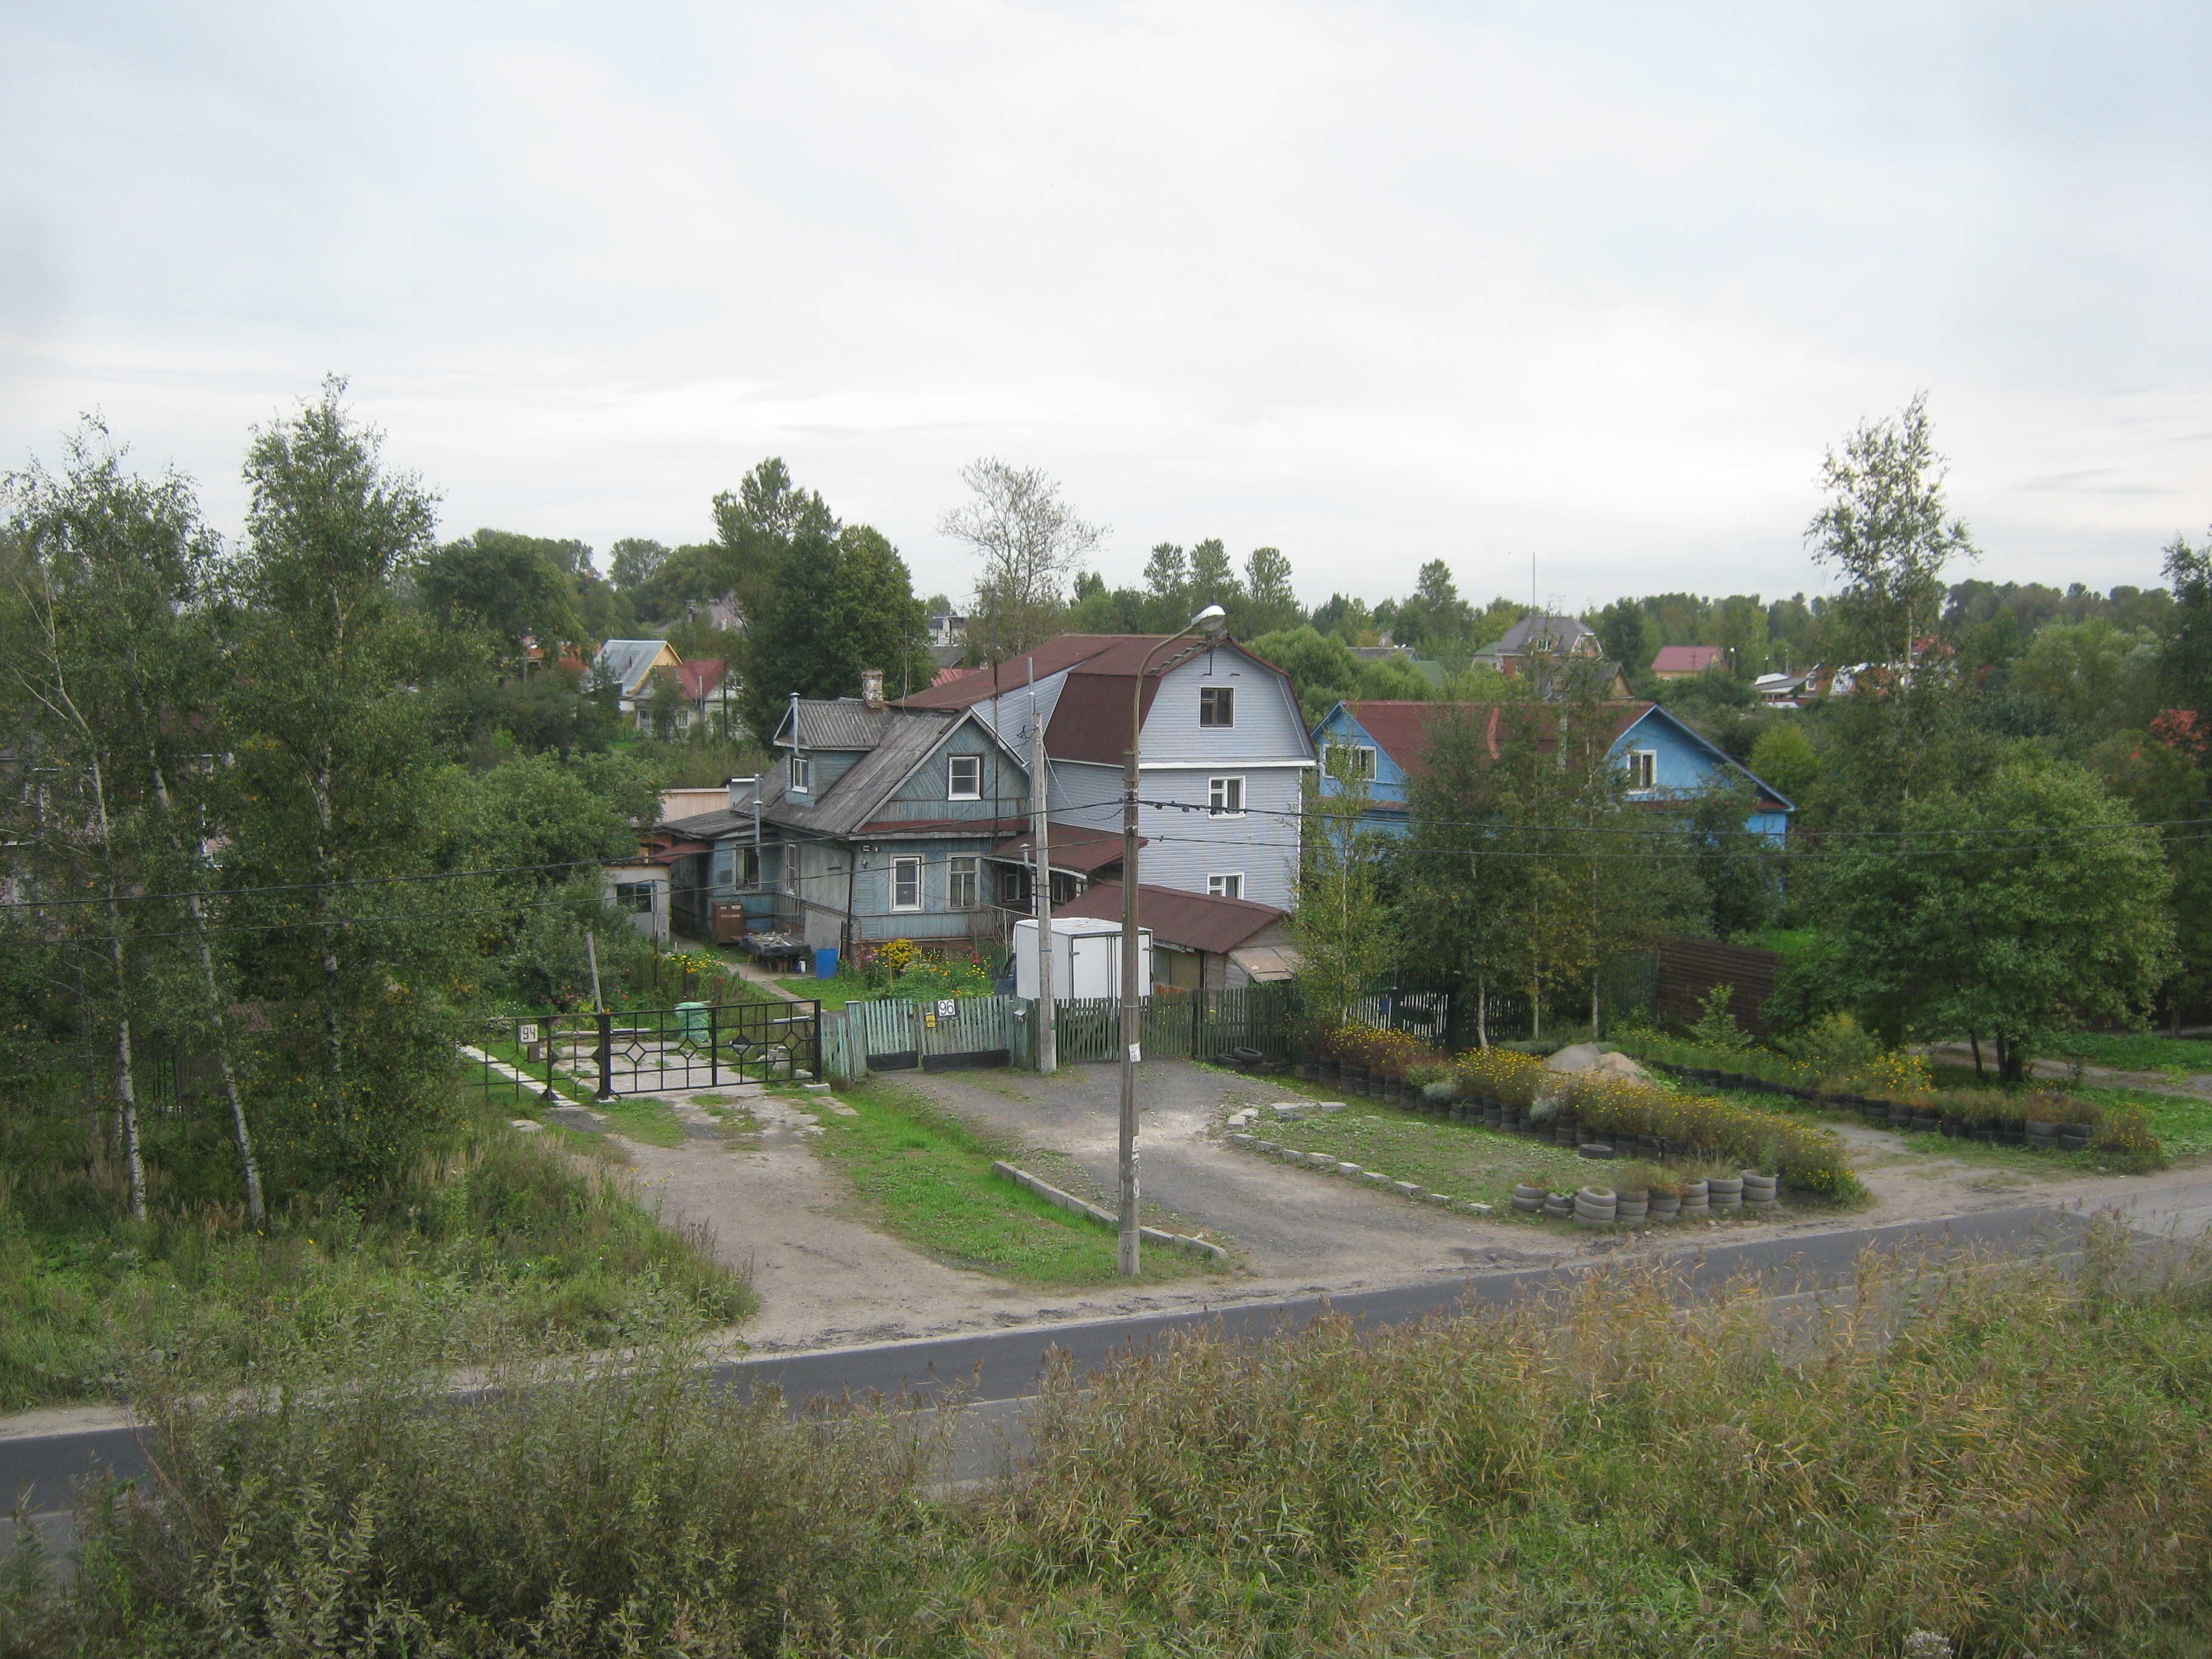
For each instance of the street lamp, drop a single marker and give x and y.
(1210, 621)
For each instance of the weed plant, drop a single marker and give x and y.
(2003, 1460)
(500, 1228)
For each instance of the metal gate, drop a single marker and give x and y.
(647, 1051)
(953, 1034)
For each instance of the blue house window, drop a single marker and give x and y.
(802, 775)
(1642, 767)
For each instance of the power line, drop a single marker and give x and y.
(302, 886)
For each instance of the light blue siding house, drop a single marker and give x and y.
(1665, 759)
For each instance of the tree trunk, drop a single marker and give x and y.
(1974, 1038)
(1481, 1011)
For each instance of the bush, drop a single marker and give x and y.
(2125, 1136)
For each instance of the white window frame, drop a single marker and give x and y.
(1218, 882)
(1362, 769)
(1642, 767)
(953, 789)
(1218, 791)
(801, 779)
(963, 868)
(897, 864)
(1224, 695)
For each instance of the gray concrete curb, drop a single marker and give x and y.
(1074, 1206)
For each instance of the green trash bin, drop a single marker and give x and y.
(692, 1018)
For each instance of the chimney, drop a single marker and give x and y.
(871, 687)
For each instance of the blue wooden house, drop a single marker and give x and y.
(1384, 743)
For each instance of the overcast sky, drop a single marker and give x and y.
(1590, 286)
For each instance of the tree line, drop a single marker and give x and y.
(2002, 831)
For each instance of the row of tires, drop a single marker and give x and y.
(1608, 1206)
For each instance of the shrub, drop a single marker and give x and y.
(2125, 1137)
(1834, 1047)
(1499, 1074)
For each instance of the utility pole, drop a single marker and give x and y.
(1128, 1260)
(1047, 1038)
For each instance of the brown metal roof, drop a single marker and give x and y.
(1071, 849)
(1194, 921)
(979, 684)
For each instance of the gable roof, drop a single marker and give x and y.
(627, 662)
(1196, 920)
(1403, 730)
(1072, 847)
(844, 724)
(978, 684)
(700, 679)
(1685, 659)
(1567, 632)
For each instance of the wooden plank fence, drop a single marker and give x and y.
(1690, 967)
(895, 1035)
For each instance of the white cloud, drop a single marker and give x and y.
(1374, 283)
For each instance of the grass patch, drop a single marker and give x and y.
(1461, 1159)
(500, 1233)
(928, 1177)
(2139, 1051)
(2182, 1122)
(2004, 1462)
(832, 994)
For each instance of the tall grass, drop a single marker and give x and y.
(2014, 1460)
(498, 1226)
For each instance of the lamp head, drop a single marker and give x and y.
(1211, 619)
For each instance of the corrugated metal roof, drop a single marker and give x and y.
(842, 723)
(626, 662)
(906, 736)
(1050, 657)
(1194, 921)
(1402, 729)
(1567, 633)
(1685, 659)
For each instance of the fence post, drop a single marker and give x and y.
(606, 1022)
(713, 1045)
(550, 1095)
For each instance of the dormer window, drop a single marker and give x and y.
(1217, 705)
(802, 775)
(964, 777)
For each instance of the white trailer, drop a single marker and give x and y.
(1086, 958)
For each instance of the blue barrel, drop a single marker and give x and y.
(825, 963)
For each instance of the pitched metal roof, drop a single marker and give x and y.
(626, 662)
(845, 724)
(1196, 921)
(1567, 632)
(1072, 847)
(1685, 659)
(1048, 658)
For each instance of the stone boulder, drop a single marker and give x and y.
(1587, 1057)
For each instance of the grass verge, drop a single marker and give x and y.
(2139, 1051)
(500, 1231)
(927, 1176)
(2011, 1461)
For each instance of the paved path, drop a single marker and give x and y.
(44, 1454)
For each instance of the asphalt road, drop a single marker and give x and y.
(41, 1471)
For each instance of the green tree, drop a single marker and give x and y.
(1268, 604)
(633, 561)
(2032, 904)
(1212, 579)
(1322, 669)
(2098, 678)
(514, 585)
(842, 604)
(334, 763)
(1886, 529)
(1784, 756)
(1342, 927)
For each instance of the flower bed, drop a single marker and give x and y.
(1688, 1125)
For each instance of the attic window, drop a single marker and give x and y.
(964, 780)
(1217, 705)
(1642, 767)
(1352, 759)
(802, 775)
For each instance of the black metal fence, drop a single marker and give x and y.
(645, 1051)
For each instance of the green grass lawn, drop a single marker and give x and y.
(1438, 1154)
(2140, 1051)
(831, 994)
(929, 1178)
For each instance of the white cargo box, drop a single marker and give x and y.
(1086, 958)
